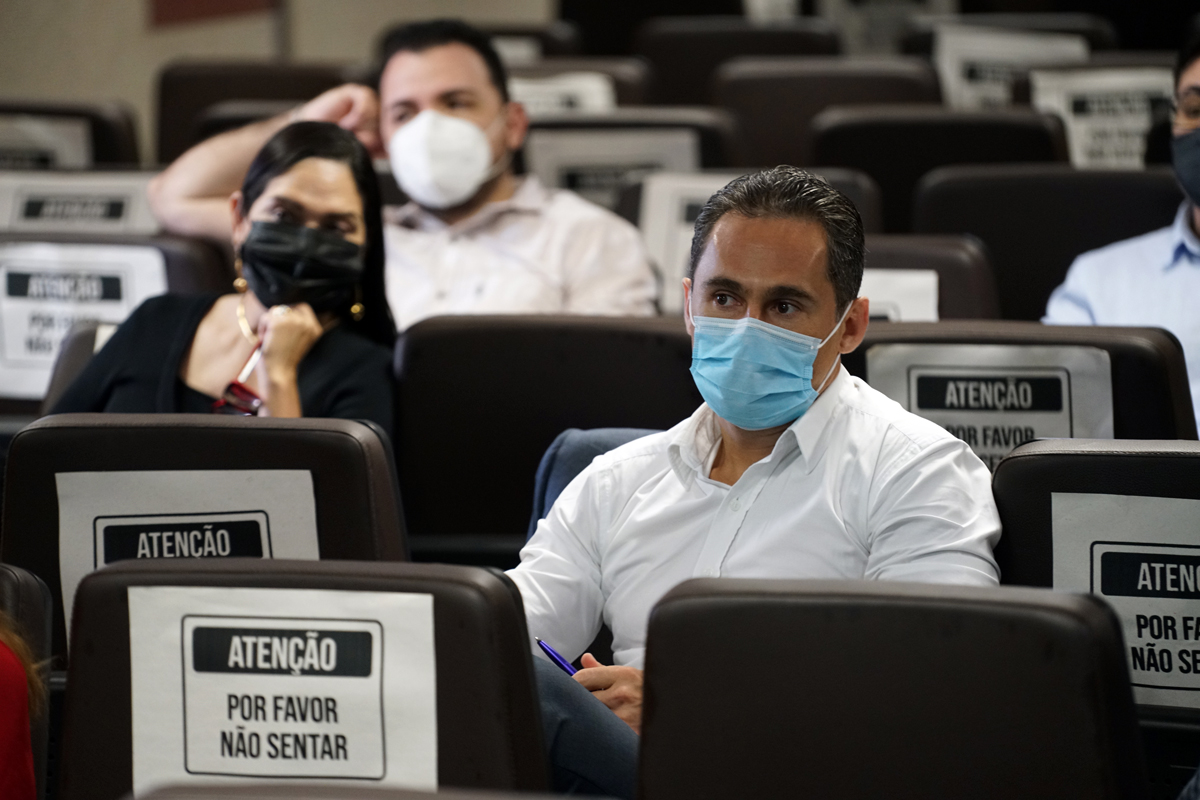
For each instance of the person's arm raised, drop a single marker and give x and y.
(191, 196)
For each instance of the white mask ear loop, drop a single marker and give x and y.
(837, 360)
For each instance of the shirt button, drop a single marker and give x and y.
(710, 573)
(735, 505)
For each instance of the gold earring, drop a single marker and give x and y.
(358, 310)
(239, 283)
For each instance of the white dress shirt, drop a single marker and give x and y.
(542, 251)
(856, 488)
(1149, 280)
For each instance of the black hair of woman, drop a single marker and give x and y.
(302, 140)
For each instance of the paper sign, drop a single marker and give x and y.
(47, 288)
(996, 397)
(106, 517)
(238, 684)
(1140, 554)
(590, 92)
(977, 65)
(901, 295)
(76, 202)
(598, 164)
(1106, 112)
(31, 142)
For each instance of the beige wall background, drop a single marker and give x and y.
(89, 50)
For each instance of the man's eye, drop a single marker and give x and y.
(722, 299)
(283, 215)
(786, 308)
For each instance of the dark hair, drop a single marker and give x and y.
(792, 193)
(302, 140)
(419, 36)
(1189, 53)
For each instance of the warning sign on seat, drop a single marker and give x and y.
(1141, 555)
(996, 397)
(315, 685)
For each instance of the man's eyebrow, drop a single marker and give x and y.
(785, 292)
(723, 283)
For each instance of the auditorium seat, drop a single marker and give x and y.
(308, 488)
(25, 601)
(1099, 32)
(686, 51)
(776, 97)
(83, 340)
(44, 135)
(966, 288)
(596, 155)
(897, 144)
(187, 88)
(480, 398)
(483, 701)
(999, 384)
(851, 689)
(1036, 218)
(1077, 516)
(632, 77)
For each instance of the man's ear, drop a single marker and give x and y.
(856, 325)
(687, 305)
(516, 126)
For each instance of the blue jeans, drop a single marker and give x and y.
(591, 751)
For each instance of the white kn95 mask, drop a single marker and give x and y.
(440, 161)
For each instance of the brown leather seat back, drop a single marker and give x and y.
(776, 97)
(687, 50)
(488, 723)
(111, 135)
(849, 689)
(898, 144)
(357, 505)
(966, 286)
(1036, 218)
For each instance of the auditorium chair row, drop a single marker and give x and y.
(959, 675)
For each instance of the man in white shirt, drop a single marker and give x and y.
(1153, 279)
(477, 238)
(791, 469)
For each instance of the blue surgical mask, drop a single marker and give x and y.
(1185, 156)
(754, 375)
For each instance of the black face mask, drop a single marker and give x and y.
(288, 264)
(1185, 155)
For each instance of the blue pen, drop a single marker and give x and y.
(558, 660)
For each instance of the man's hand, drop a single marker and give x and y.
(619, 688)
(351, 106)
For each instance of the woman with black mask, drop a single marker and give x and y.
(308, 331)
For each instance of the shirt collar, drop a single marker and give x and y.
(530, 197)
(696, 438)
(1184, 243)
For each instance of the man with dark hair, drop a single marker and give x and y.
(1153, 279)
(476, 237)
(792, 468)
